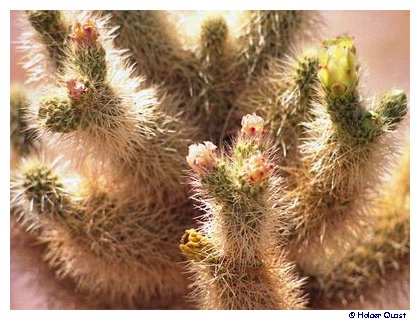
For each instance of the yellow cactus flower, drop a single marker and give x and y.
(194, 245)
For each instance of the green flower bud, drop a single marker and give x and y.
(339, 68)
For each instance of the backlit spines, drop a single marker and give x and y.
(385, 249)
(125, 118)
(45, 43)
(23, 138)
(344, 152)
(155, 48)
(237, 191)
(212, 91)
(102, 111)
(283, 96)
(270, 34)
(120, 254)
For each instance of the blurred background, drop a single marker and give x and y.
(382, 39)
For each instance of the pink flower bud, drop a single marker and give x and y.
(257, 168)
(75, 88)
(201, 157)
(85, 33)
(252, 125)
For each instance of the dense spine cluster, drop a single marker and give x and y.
(45, 44)
(384, 249)
(128, 147)
(293, 212)
(345, 148)
(22, 137)
(233, 260)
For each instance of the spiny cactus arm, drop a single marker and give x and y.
(100, 113)
(392, 109)
(344, 153)
(45, 47)
(282, 96)
(198, 75)
(339, 78)
(269, 34)
(237, 191)
(212, 90)
(155, 47)
(213, 36)
(384, 252)
(109, 248)
(22, 137)
(38, 194)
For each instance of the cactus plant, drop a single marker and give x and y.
(240, 269)
(272, 221)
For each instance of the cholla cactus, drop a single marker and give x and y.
(384, 251)
(45, 44)
(344, 151)
(234, 262)
(211, 74)
(104, 243)
(22, 137)
(285, 104)
(117, 99)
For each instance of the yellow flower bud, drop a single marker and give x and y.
(338, 71)
(194, 245)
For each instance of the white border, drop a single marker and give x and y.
(196, 5)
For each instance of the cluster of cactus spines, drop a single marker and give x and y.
(154, 46)
(209, 76)
(45, 48)
(271, 34)
(343, 154)
(104, 115)
(213, 92)
(22, 137)
(104, 118)
(113, 249)
(112, 218)
(384, 250)
(233, 260)
(282, 96)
